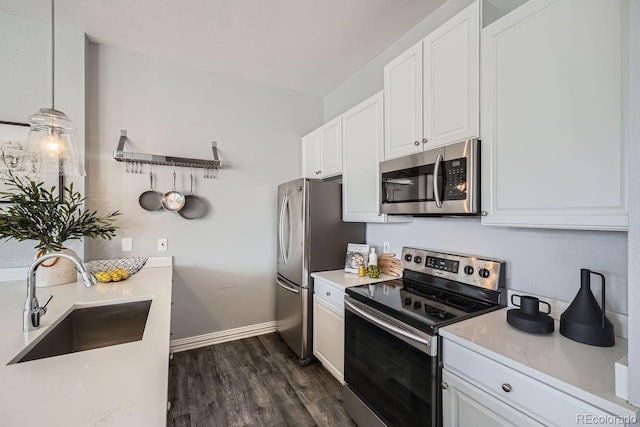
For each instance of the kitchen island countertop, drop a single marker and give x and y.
(121, 385)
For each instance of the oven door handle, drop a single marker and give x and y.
(387, 326)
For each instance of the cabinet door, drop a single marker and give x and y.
(362, 149)
(330, 148)
(464, 404)
(451, 71)
(403, 104)
(328, 336)
(553, 113)
(310, 158)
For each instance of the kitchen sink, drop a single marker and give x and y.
(89, 328)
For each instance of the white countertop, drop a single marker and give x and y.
(122, 385)
(581, 370)
(347, 280)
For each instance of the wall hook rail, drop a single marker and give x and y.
(154, 159)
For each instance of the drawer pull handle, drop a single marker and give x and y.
(328, 294)
(506, 387)
(444, 385)
(416, 143)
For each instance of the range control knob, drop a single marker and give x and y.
(417, 259)
(468, 269)
(408, 257)
(484, 273)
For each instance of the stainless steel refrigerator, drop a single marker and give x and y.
(311, 237)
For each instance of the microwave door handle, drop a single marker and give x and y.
(384, 325)
(436, 188)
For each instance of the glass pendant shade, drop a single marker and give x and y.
(51, 146)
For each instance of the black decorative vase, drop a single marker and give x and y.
(584, 321)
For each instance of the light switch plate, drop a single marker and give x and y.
(162, 244)
(127, 244)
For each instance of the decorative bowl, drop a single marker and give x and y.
(114, 270)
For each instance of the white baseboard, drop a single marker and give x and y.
(190, 343)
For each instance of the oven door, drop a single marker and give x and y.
(390, 370)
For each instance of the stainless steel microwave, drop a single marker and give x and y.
(440, 181)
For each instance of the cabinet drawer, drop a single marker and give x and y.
(329, 292)
(543, 402)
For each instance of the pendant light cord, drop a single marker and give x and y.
(53, 56)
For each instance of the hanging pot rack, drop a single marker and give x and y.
(153, 159)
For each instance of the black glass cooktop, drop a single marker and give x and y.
(420, 305)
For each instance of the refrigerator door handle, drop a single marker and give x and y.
(290, 228)
(281, 230)
(287, 287)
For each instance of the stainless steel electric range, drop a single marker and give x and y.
(393, 355)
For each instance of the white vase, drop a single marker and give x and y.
(57, 271)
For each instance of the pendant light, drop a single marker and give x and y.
(52, 139)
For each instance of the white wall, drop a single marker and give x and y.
(545, 262)
(224, 263)
(25, 74)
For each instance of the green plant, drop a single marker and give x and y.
(36, 213)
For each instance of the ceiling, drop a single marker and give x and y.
(310, 46)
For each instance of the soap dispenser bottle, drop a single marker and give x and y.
(584, 321)
(373, 257)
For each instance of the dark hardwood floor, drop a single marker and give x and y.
(252, 382)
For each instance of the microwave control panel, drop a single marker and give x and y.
(455, 179)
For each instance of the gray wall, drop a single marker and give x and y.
(224, 263)
(26, 87)
(369, 80)
(545, 262)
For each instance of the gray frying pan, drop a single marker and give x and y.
(194, 207)
(150, 200)
(173, 200)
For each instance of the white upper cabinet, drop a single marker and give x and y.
(310, 157)
(554, 113)
(322, 151)
(362, 148)
(451, 71)
(431, 90)
(403, 104)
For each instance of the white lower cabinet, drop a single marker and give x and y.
(464, 404)
(478, 391)
(328, 327)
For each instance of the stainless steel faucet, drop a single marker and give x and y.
(32, 311)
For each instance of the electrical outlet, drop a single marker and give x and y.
(162, 244)
(127, 244)
(386, 247)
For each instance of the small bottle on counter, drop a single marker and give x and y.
(373, 257)
(362, 270)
